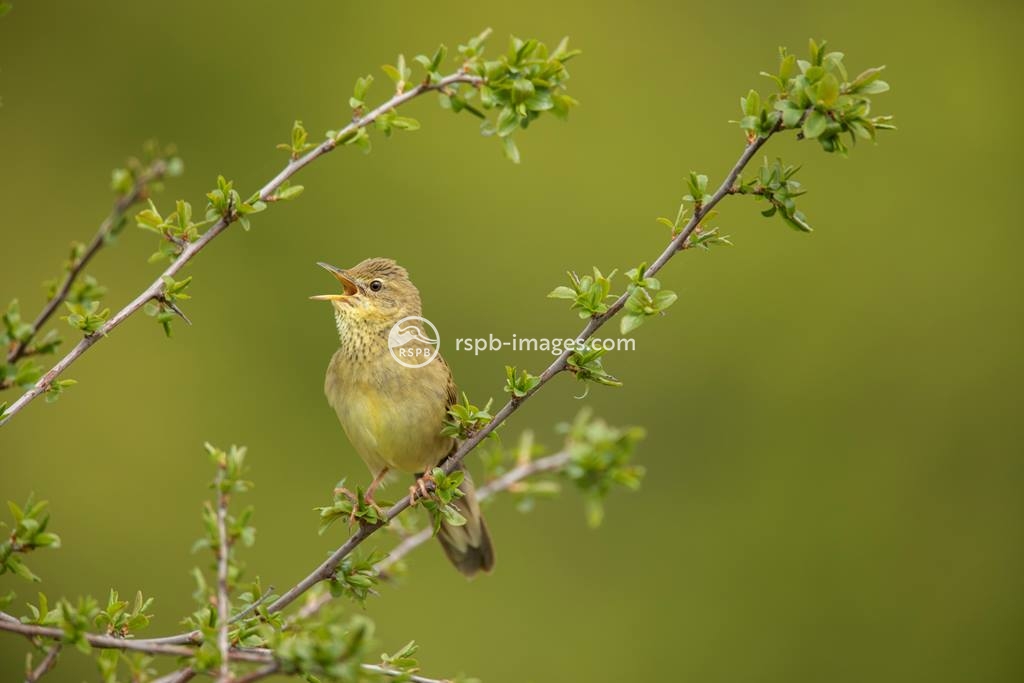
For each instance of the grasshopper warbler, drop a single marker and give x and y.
(393, 414)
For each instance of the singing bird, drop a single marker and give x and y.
(391, 413)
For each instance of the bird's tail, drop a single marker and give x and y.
(468, 546)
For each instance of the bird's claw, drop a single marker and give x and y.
(419, 489)
(370, 502)
(357, 504)
(342, 491)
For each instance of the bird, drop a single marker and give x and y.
(393, 413)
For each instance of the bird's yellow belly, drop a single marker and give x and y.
(389, 427)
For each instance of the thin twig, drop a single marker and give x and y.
(102, 642)
(190, 638)
(223, 564)
(248, 610)
(396, 673)
(49, 661)
(137, 193)
(154, 290)
(259, 674)
(183, 675)
(273, 668)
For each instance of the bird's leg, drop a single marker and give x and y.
(377, 480)
(419, 489)
(367, 497)
(353, 498)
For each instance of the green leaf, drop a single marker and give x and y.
(362, 86)
(287, 192)
(874, 88)
(663, 299)
(510, 149)
(562, 292)
(828, 90)
(392, 72)
(630, 322)
(15, 565)
(519, 383)
(508, 120)
(815, 124)
(405, 123)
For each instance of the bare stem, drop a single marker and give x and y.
(49, 661)
(249, 610)
(259, 674)
(223, 561)
(395, 673)
(104, 642)
(183, 675)
(155, 289)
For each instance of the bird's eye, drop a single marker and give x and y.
(376, 285)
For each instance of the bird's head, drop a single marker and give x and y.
(376, 293)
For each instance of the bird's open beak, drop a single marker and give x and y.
(349, 285)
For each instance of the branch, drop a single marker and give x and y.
(402, 675)
(258, 674)
(183, 675)
(49, 661)
(223, 557)
(155, 289)
(103, 642)
(251, 608)
(271, 669)
(250, 655)
(138, 192)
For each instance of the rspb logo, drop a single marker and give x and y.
(410, 344)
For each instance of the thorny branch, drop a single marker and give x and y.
(49, 661)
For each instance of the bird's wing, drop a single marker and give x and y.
(450, 388)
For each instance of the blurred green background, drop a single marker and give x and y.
(834, 462)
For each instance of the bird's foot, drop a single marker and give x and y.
(419, 489)
(359, 505)
(342, 491)
(369, 501)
